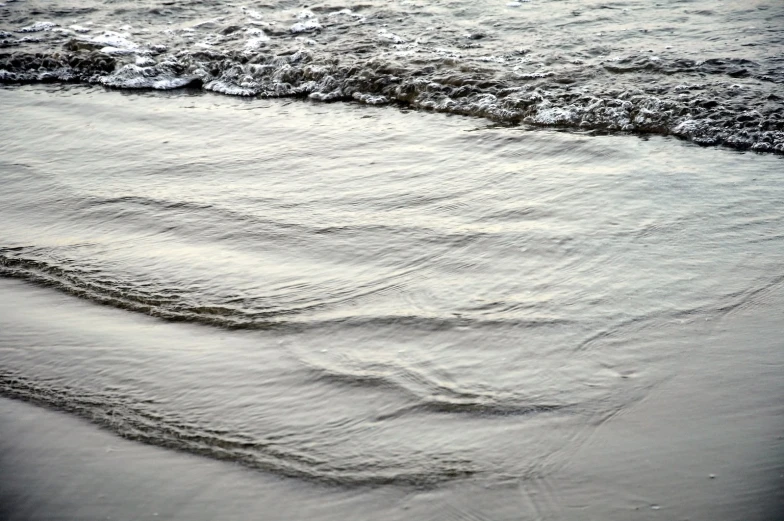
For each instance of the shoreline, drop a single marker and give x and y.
(697, 131)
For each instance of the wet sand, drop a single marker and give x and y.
(705, 445)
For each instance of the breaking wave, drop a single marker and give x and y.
(598, 68)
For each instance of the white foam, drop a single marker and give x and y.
(115, 40)
(370, 99)
(386, 36)
(144, 61)
(256, 42)
(136, 77)
(534, 75)
(492, 59)
(37, 27)
(333, 95)
(231, 89)
(116, 51)
(306, 26)
(251, 13)
(349, 13)
(554, 116)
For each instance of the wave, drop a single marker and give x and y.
(332, 54)
(139, 421)
(177, 304)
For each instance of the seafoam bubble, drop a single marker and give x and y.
(115, 40)
(348, 13)
(145, 61)
(492, 59)
(231, 89)
(370, 99)
(386, 36)
(554, 116)
(256, 42)
(37, 27)
(135, 77)
(306, 26)
(534, 75)
(251, 13)
(116, 51)
(333, 95)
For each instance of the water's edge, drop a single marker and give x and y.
(299, 77)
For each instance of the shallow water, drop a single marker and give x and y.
(711, 72)
(371, 297)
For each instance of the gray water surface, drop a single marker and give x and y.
(355, 296)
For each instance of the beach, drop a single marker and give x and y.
(394, 260)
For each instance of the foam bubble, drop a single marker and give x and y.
(386, 36)
(161, 77)
(256, 42)
(229, 88)
(251, 13)
(306, 26)
(116, 41)
(37, 27)
(144, 61)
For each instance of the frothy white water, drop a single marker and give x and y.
(571, 64)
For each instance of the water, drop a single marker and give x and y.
(701, 70)
(381, 306)
(386, 298)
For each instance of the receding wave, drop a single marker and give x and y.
(179, 305)
(141, 422)
(81, 283)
